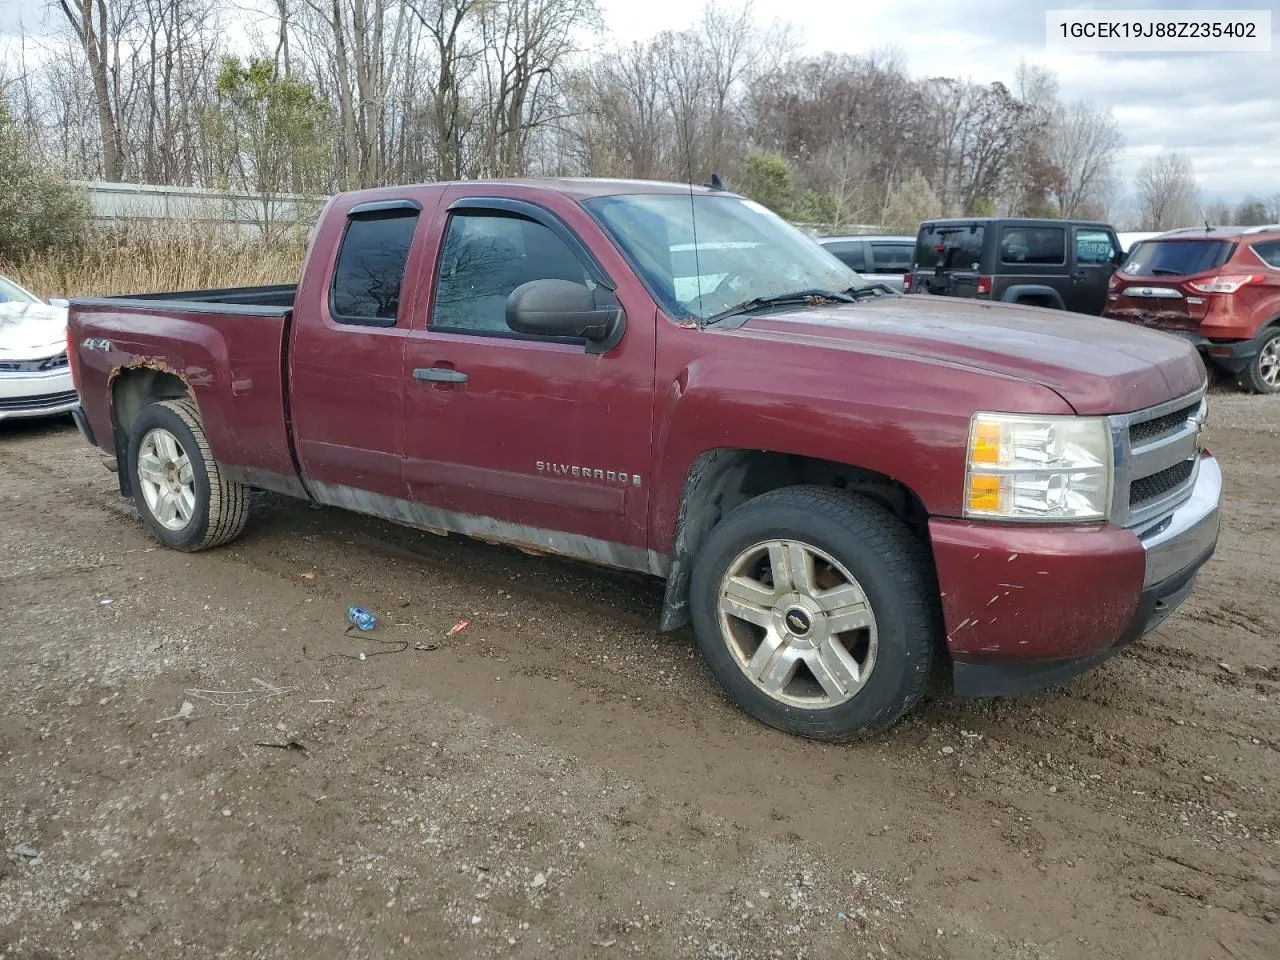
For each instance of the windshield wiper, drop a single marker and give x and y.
(1164, 272)
(808, 298)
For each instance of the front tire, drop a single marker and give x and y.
(1262, 375)
(817, 611)
(178, 487)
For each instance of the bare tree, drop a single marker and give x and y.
(1166, 191)
(99, 26)
(1085, 141)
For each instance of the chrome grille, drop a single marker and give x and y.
(1157, 457)
(1158, 484)
(34, 366)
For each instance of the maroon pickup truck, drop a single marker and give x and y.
(843, 488)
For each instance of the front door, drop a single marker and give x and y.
(516, 438)
(346, 358)
(1096, 252)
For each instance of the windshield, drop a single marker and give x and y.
(10, 292)
(961, 246)
(741, 252)
(1177, 258)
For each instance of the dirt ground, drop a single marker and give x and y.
(559, 780)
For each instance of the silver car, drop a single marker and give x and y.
(35, 379)
(879, 259)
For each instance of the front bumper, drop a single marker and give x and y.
(1029, 607)
(37, 394)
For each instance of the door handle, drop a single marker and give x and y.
(439, 375)
(1080, 276)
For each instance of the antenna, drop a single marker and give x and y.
(715, 183)
(693, 207)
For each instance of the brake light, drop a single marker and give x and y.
(906, 282)
(1113, 284)
(71, 361)
(1225, 282)
(984, 286)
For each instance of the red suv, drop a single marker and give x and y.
(1218, 287)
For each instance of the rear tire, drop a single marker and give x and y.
(817, 611)
(178, 487)
(1262, 375)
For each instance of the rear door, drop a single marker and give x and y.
(1033, 257)
(852, 253)
(347, 354)
(948, 259)
(890, 259)
(1095, 251)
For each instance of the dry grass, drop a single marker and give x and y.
(164, 257)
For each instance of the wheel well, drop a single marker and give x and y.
(132, 390)
(720, 480)
(1036, 300)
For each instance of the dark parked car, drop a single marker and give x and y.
(1064, 264)
(879, 259)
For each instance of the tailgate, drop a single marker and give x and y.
(948, 258)
(1156, 305)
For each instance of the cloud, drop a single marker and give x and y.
(1221, 109)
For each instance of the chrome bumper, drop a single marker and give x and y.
(1186, 536)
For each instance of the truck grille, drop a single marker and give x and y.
(34, 366)
(46, 401)
(1158, 484)
(1148, 430)
(1157, 458)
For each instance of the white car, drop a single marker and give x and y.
(35, 380)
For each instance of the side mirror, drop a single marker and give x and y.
(562, 308)
(59, 302)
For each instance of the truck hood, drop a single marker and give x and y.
(32, 331)
(1098, 366)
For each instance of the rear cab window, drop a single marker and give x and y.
(953, 246)
(1177, 258)
(370, 268)
(1039, 246)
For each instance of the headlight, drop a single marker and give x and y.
(1038, 468)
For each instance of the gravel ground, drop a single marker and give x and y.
(558, 780)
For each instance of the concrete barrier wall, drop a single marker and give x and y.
(115, 204)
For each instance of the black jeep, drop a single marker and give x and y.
(1064, 264)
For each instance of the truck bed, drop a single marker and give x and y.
(226, 347)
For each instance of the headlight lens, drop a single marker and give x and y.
(1038, 468)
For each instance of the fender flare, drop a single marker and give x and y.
(1012, 294)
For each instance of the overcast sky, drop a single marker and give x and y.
(1221, 109)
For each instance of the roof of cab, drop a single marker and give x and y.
(579, 188)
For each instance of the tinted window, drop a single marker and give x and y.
(1093, 247)
(485, 257)
(1177, 258)
(890, 257)
(848, 252)
(1269, 252)
(1033, 245)
(366, 283)
(956, 248)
